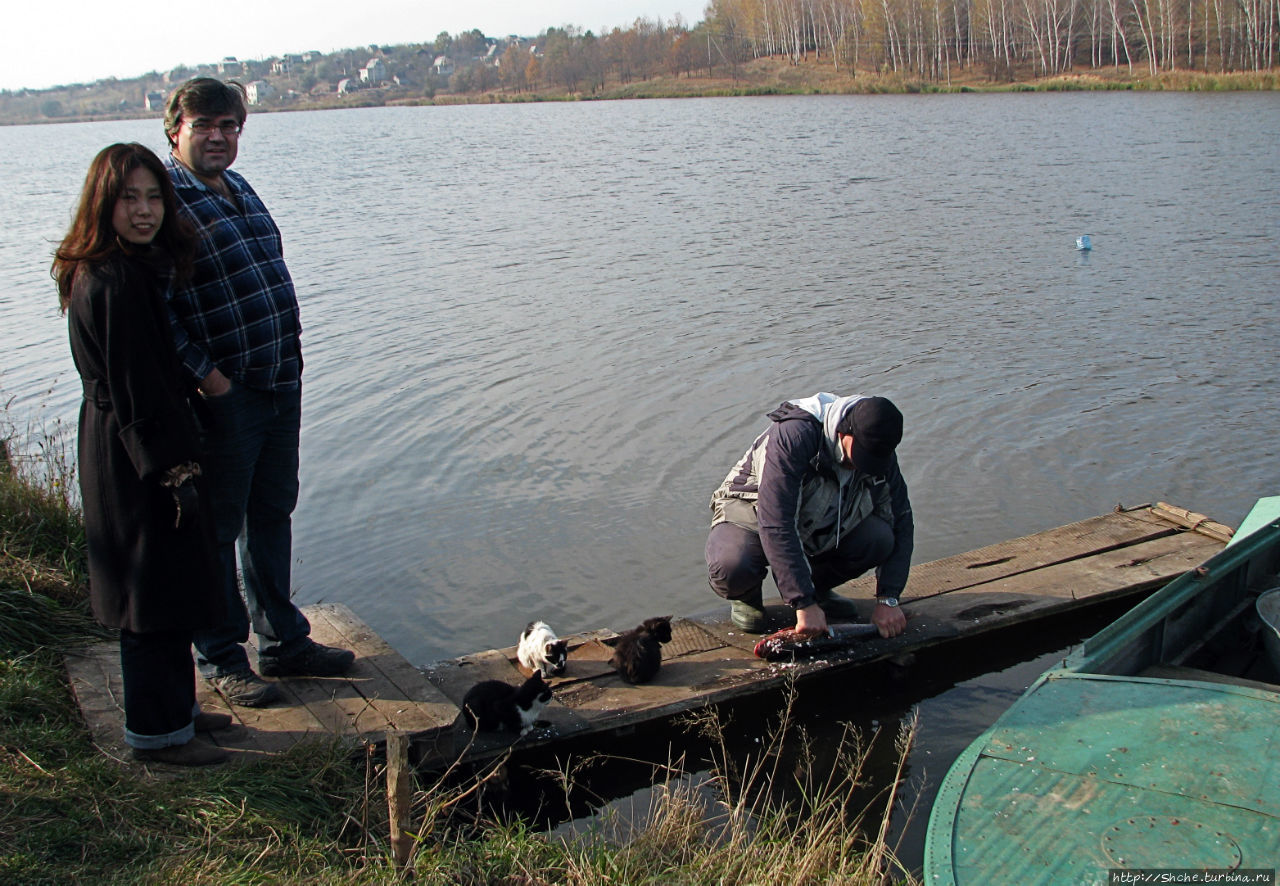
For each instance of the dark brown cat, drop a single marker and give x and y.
(637, 655)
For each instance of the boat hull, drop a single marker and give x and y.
(1131, 755)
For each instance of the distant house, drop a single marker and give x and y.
(374, 72)
(258, 91)
(154, 101)
(443, 65)
(281, 66)
(309, 57)
(229, 65)
(347, 84)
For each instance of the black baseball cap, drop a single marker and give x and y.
(876, 426)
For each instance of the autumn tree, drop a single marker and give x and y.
(513, 67)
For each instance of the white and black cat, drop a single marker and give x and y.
(637, 655)
(494, 706)
(541, 651)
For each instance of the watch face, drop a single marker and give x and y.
(889, 601)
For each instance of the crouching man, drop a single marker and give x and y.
(819, 499)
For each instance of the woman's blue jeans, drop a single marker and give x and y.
(251, 456)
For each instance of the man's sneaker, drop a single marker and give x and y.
(196, 752)
(836, 607)
(313, 660)
(247, 689)
(747, 617)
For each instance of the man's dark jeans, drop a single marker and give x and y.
(737, 566)
(251, 456)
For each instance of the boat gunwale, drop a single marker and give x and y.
(1183, 590)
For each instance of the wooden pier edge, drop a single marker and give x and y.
(385, 700)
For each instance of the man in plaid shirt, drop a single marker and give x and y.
(238, 333)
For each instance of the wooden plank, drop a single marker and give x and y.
(1028, 597)
(681, 684)
(689, 638)
(716, 625)
(999, 561)
(270, 730)
(382, 691)
(587, 660)
(96, 683)
(1192, 521)
(400, 694)
(455, 676)
(94, 675)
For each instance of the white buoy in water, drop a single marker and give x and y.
(1083, 243)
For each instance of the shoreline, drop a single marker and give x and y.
(763, 77)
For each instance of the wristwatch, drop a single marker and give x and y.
(888, 601)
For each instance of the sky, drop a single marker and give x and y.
(56, 42)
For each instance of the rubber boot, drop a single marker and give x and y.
(747, 613)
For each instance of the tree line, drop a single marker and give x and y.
(925, 38)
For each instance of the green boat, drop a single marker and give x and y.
(1154, 747)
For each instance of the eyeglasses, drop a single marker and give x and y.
(204, 127)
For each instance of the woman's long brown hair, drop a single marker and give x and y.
(92, 238)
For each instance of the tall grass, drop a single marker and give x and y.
(776, 816)
(70, 814)
(43, 599)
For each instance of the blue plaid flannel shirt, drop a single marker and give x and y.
(239, 311)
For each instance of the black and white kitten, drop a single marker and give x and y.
(637, 655)
(541, 651)
(494, 706)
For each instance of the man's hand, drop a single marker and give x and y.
(889, 620)
(811, 618)
(215, 384)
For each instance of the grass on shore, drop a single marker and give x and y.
(70, 814)
(817, 76)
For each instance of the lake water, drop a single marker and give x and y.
(537, 336)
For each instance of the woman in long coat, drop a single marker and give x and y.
(152, 556)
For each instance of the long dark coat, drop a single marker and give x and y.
(136, 423)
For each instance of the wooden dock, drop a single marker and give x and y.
(1021, 581)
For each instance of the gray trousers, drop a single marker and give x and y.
(737, 566)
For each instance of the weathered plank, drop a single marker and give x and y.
(1000, 561)
(382, 692)
(683, 683)
(94, 673)
(398, 693)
